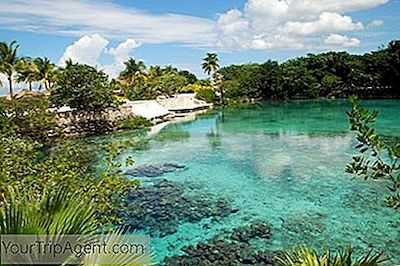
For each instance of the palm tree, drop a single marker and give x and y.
(9, 61)
(69, 63)
(170, 69)
(155, 71)
(27, 72)
(132, 69)
(47, 71)
(210, 63)
(211, 67)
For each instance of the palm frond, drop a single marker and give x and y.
(52, 212)
(302, 256)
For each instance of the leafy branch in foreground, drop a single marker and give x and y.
(377, 160)
(28, 164)
(308, 257)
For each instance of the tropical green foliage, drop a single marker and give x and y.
(46, 72)
(203, 90)
(9, 61)
(253, 81)
(133, 122)
(207, 93)
(210, 63)
(322, 75)
(28, 117)
(132, 69)
(27, 72)
(83, 87)
(377, 159)
(190, 77)
(196, 87)
(164, 81)
(52, 212)
(138, 82)
(60, 212)
(211, 67)
(307, 257)
(25, 163)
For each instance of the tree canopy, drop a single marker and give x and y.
(318, 75)
(83, 87)
(139, 82)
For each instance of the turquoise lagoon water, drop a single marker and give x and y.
(281, 162)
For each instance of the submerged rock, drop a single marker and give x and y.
(258, 229)
(307, 226)
(237, 251)
(154, 170)
(160, 208)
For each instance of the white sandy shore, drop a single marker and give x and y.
(167, 107)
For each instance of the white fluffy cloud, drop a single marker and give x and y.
(3, 80)
(260, 24)
(342, 40)
(88, 50)
(233, 22)
(376, 23)
(296, 9)
(120, 54)
(331, 22)
(290, 24)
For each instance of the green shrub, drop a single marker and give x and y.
(133, 122)
(207, 94)
(28, 117)
(28, 164)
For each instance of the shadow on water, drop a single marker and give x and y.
(172, 133)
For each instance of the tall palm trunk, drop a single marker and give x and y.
(10, 83)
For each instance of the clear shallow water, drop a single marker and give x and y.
(283, 163)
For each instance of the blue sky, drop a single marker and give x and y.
(179, 32)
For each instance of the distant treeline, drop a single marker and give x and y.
(339, 74)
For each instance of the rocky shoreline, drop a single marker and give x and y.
(74, 123)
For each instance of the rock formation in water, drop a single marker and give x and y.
(154, 170)
(231, 250)
(161, 207)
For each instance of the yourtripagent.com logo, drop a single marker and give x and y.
(113, 249)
